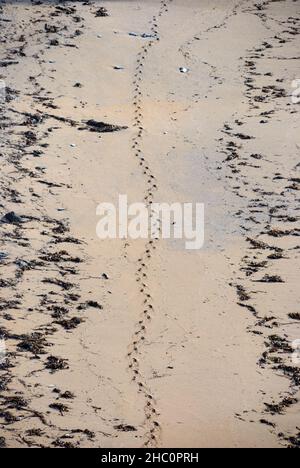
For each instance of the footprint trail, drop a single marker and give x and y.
(152, 425)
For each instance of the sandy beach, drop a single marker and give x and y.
(143, 343)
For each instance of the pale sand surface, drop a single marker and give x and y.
(219, 341)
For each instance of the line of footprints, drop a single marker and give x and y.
(151, 413)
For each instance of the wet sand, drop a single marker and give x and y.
(128, 343)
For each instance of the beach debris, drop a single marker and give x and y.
(101, 12)
(142, 35)
(294, 441)
(184, 70)
(294, 316)
(55, 363)
(72, 145)
(93, 304)
(70, 324)
(276, 256)
(34, 432)
(58, 312)
(59, 407)
(280, 407)
(278, 344)
(147, 36)
(105, 276)
(54, 42)
(102, 127)
(58, 443)
(267, 423)
(34, 343)
(11, 218)
(271, 279)
(8, 417)
(67, 395)
(3, 256)
(242, 294)
(7, 63)
(242, 136)
(119, 67)
(61, 256)
(15, 402)
(49, 28)
(125, 428)
(22, 264)
(2, 442)
(30, 137)
(57, 282)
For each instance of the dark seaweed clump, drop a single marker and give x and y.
(54, 364)
(103, 127)
(125, 428)
(101, 12)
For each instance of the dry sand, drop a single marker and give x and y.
(212, 365)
